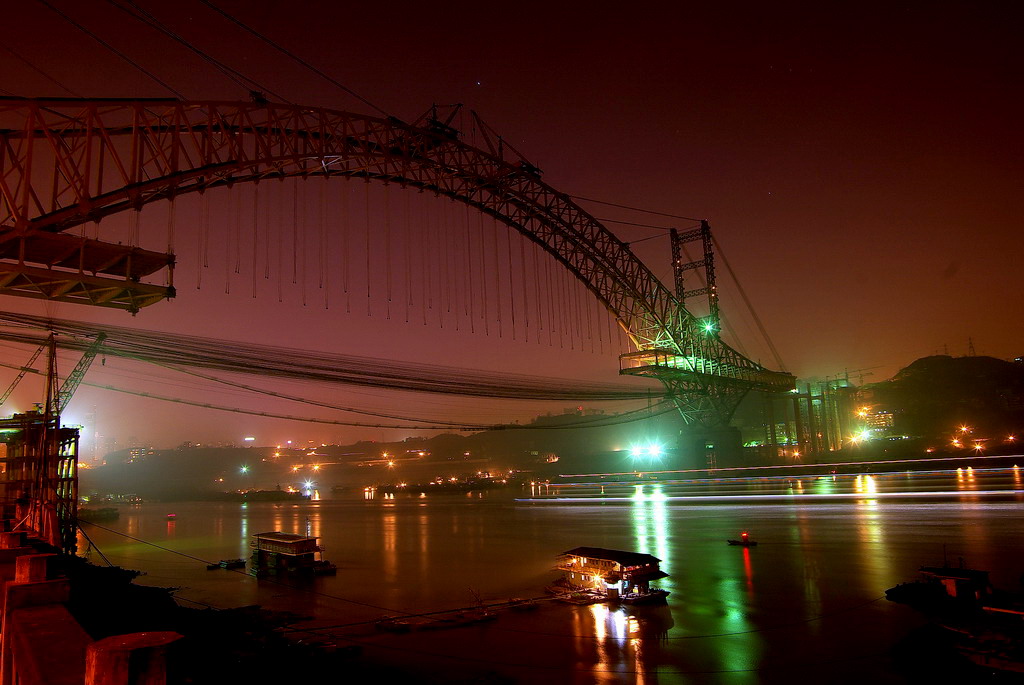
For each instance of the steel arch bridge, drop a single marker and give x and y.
(66, 162)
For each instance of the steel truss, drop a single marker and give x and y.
(68, 162)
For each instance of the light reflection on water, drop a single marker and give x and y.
(807, 593)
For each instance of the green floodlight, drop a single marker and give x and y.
(651, 449)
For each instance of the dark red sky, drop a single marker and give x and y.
(861, 164)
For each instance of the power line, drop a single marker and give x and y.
(234, 75)
(290, 54)
(279, 362)
(633, 223)
(39, 71)
(110, 47)
(635, 209)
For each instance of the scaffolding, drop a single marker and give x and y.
(39, 477)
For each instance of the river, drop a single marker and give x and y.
(806, 605)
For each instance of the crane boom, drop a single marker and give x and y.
(21, 374)
(74, 379)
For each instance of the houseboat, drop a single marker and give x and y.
(286, 553)
(609, 575)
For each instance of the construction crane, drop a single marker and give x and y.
(21, 374)
(74, 379)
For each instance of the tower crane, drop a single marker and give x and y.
(74, 379)
(63, 396)
(21, 374)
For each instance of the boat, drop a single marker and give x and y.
(226, 563)
(984, 625)
(595, 574)
(277, 553)
(744, 540)
(650, 597)
(171, 517)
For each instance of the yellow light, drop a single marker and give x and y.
(316, 467)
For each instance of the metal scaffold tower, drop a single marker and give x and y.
(39, 459)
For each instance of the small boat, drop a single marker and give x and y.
(649, 597)
(517, 604)
(171, 517)
(322, 567)
(744, 540)
(227, 563)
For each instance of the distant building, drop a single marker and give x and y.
(879, 420)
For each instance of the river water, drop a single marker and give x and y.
(806, 605)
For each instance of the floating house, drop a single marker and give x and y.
(277, 553)
(610, 573)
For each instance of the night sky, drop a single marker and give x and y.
(860, 164)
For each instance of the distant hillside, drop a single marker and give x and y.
(935, 394)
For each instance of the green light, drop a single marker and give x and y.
(709, 327)
(244, 469)
(651, 449)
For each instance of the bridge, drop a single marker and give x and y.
(68, 162)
